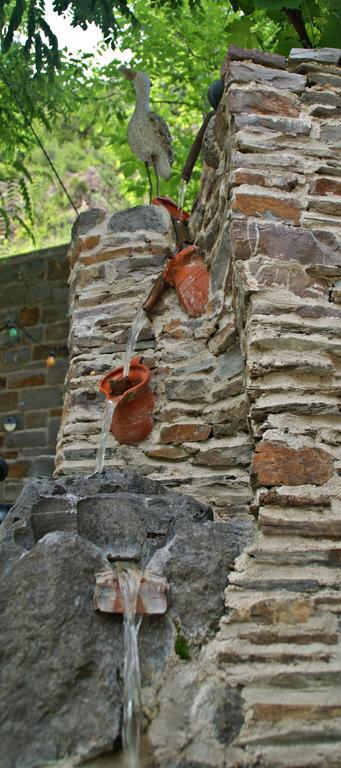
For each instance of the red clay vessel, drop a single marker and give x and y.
(132, 420)
(188, 272)
(176, 213)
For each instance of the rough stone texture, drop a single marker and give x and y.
(61, 671)
(267, 222)
(194, 362)
(33, 293)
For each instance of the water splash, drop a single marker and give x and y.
(129, 581)
(182, 194)
(109, 407)
(134, 332)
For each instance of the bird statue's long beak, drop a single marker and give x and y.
(128, 73)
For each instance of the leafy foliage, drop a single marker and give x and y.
(81, 110)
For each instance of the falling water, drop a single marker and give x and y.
(129, 581)
(132, 338)
(106, 424)
(182, 194)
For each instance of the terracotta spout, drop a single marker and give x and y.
(155, 294)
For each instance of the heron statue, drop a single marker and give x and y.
(148, 134)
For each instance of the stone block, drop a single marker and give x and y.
(39, 291)
(58, 269)
(277, 464)
(60, 294)
(262, 272)
(329, 205)
(247, 72)
(35, 419)
(224, 456)
(183, 433)
(29, 315)
(317, 55)
(19, 469)
(284, 125)
(34, 268)
(235, 53)
(252, 202)
(29, 438)
(279, 241)
(27, 379)
(142, 217)
(42, 466)
(168, 453)
(325, 186)
(57, 331)
(50, 313)
(187, 390)
(9, 401)
(86, 221)
(38, 398)
(263, 101)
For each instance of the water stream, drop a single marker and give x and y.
(182, 194)
(134, 332)
(109, 407)
(129, 581)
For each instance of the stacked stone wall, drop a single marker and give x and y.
(33, 293)
(258, 378)
(200, 443)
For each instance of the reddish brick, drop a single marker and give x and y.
(9, 401)
(169, 453)
(253, 204)
(323, 186)
(17, 381)
(29, 315)
(182, 433)
(277, 464)
(19, 469)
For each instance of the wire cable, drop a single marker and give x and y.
(38, 140)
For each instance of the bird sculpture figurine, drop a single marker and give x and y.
(148, 134)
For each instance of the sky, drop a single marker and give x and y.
(76, 39)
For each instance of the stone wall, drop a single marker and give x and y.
(257, 378)
(33, 293)
(200, 443)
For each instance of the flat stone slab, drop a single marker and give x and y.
(62, 661)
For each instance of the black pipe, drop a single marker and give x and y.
(195, 149)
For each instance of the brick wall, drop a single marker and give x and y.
(34, 293)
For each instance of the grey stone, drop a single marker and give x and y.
(187, 390)
(27, 438)
(143, 217)
(62, 693)
(319, 55)
(40, 397)
(86, 221)
(229, 364)
(53, 664)
(276, 78)
(210, 150)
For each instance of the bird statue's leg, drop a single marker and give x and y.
(150, 183)
(156, 174)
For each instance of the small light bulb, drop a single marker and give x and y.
(13, 332)
(51, 360)
(10, 423)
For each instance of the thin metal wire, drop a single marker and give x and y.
(38, 140)
(15, 324)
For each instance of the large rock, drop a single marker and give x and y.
(62, 661)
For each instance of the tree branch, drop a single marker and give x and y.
(295, 17)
